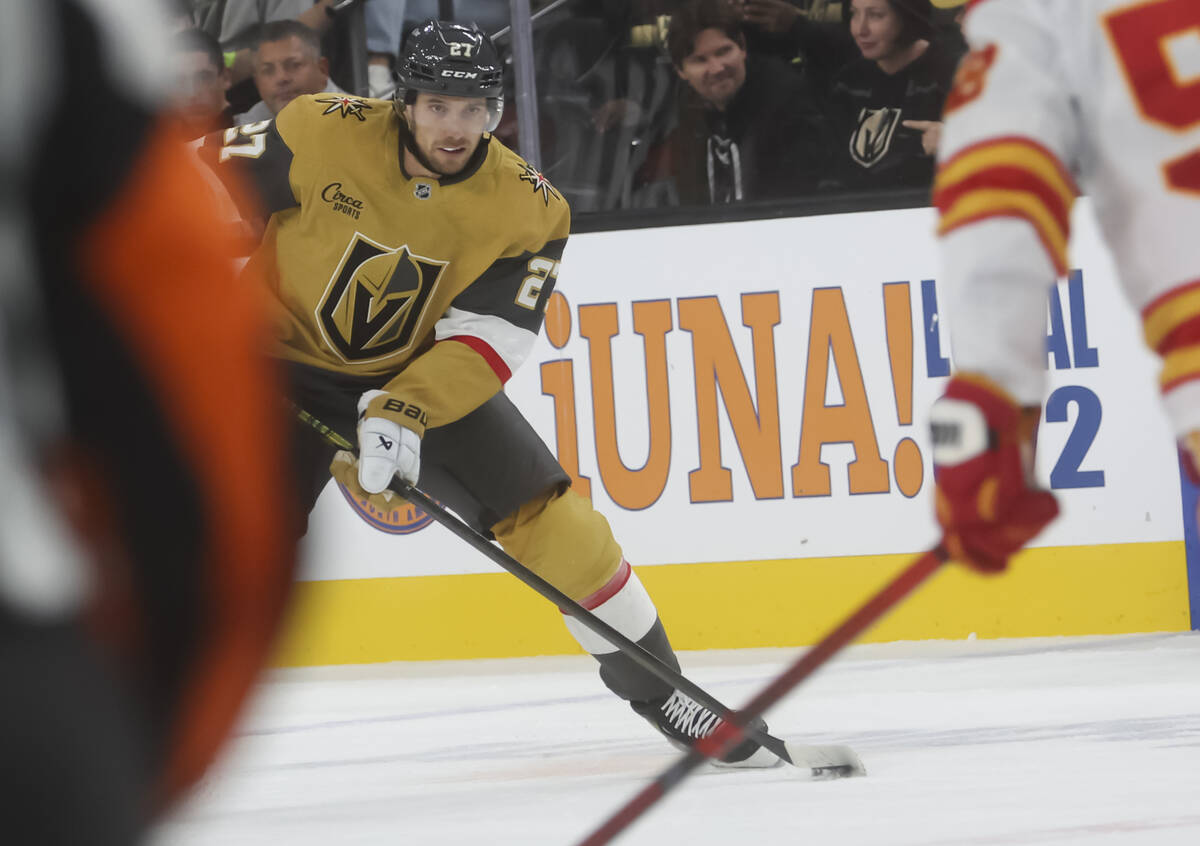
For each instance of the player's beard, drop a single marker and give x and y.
(429, 157)
(450, 163)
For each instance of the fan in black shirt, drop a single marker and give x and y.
(887, 104)
(750, 129)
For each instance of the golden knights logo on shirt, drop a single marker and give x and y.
(873, 136)
(375, 299)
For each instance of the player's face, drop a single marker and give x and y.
(876, 26)
(447, 129)
(716, 67)
(285, 69)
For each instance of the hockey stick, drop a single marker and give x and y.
(823, 762)
(731, 732)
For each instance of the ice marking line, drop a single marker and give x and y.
(1048, 835)
(872, 664)
(450, 800)
(1105, 731)
(479, 753)
(884, 659)
(421, 715)
(481, 709)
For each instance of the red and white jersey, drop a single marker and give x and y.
(1058, 97)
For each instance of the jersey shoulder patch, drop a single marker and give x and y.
(311, 116)
(344, 106)
(537, 181)
(526, 188)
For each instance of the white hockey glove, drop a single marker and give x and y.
(389, 440)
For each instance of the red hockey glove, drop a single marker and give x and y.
(983, 465)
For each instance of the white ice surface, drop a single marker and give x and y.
(1047, 741)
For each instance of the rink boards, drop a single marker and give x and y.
(746, 403)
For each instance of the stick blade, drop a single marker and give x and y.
(824, 763)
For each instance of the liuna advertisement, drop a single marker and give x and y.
(747, 404)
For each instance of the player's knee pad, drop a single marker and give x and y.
(564, 540)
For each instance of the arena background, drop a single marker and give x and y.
(747, 403)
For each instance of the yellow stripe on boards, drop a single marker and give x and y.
(1110, 589)
(361, 621)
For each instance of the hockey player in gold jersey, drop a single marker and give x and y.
(412, 256)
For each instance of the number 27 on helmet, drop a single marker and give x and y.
(452, 60)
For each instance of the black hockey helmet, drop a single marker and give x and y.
(448, 58)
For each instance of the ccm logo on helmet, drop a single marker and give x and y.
(458, 74)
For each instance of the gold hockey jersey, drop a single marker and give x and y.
(373, 268)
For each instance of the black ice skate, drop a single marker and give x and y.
(683, 720)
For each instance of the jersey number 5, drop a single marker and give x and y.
(1150, 39)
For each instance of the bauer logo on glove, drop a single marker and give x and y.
(407, 409)
(389, 440)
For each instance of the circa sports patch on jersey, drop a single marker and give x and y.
(346, 106)
(349, 205)
(539, 182)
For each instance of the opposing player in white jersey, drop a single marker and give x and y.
(1058, 97)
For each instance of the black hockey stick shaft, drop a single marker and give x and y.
(638, 654)
(730, 733)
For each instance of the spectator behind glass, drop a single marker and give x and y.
(887, 104)
(751, 130)
(198, 97)
(948, 18)
(819, 41)
(287, 63)
(236, 23)
(237, 16)
(384, 22)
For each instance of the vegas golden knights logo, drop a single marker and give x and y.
(375, 299)
(873, 136)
